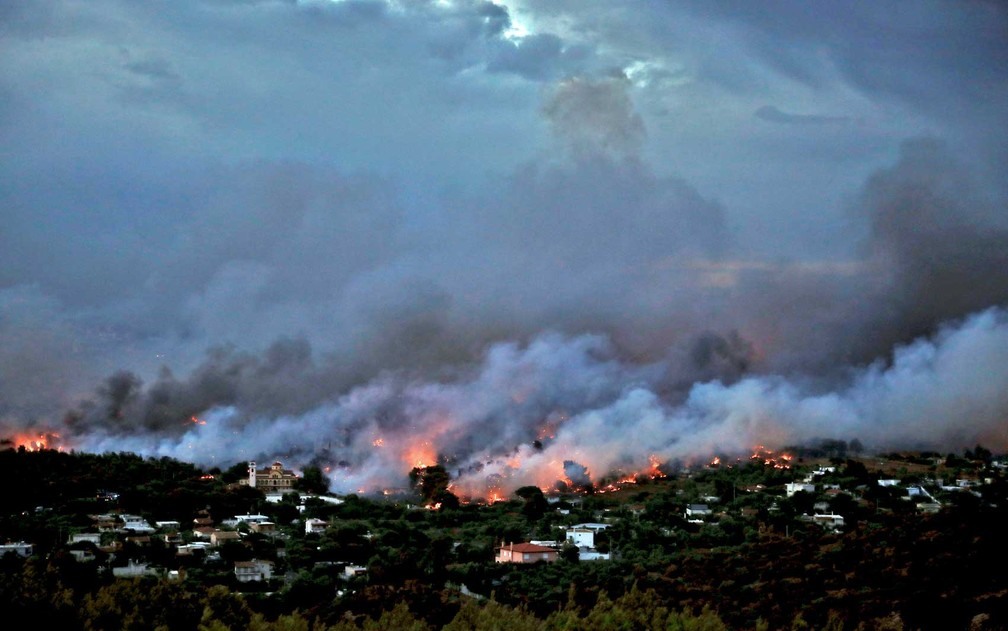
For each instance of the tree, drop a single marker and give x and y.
(569, 552)
(430, 481)
(313, 481)
(535, 503)
(236, 472)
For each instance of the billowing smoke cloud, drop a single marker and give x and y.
(566, 410)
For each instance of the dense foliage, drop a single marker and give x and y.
(756, 565)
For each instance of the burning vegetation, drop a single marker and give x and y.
(30, 441)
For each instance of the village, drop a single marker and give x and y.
(267, 535)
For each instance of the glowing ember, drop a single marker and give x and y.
(196, 421)
(378, 442)
(715, 462)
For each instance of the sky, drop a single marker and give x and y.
(504, 235)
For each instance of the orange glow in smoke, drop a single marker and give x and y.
(196, 421)
(36, 442)
(378, 442)
(421, 455)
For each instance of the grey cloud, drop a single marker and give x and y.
(945, 247)
(595, 115)
(775, 115)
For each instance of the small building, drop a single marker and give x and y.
(135, 523)
(793, 487)
(828, 520)
(168, 525)
(83, 554)
(525, 553)
(263, 527)
(220, 537)
(250, 519)
(90, 537)
(313, 526)
(353, 571)
(581, 537)
(133, 570)
(19, 548)
(254, 570)
(696, 511)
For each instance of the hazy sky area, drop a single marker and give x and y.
(626, 229)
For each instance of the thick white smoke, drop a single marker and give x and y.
(526, 410)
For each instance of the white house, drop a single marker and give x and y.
(697, 510)
(254, 570)
(351, 571)
(581, 537)
(90, 537)
(20, 548)
(83, 555)
(313, 526)
(829, 520)
(793, 487)
(133, 570)
(135, 523)
(250, 519)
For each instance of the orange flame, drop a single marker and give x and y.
(196, 421)
(36, 442)
(378, 442)
(770, 459)
(421, 455)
